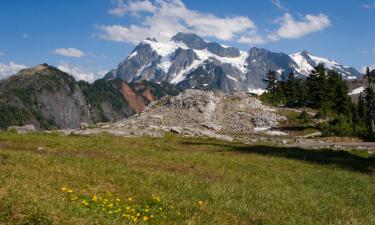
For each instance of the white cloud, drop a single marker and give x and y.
(69, 52)
(25, 36)
(164, 18)
(132, 6)
(10, 69)
(79, 72)
(369, 6)
(1, 53)
(278, 4)
(252, 38)
(293, 29)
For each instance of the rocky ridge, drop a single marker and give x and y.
(196, 113)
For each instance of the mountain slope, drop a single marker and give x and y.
(49, 98)
(191, 62)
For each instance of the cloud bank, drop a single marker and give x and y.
(10, 69)
(79, 72)
(164, 18)
(69, 52)
(290, 28)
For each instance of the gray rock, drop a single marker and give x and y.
(176, 130)
(22, 129)
(212, 126)
(84, 126)
(158, 117)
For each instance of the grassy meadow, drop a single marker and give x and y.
(53, 179)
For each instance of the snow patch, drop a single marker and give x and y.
(238, 62)
(357, 91)
(133, 54)
(258, 91)
(182, 74)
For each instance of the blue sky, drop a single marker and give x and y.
(89, 37)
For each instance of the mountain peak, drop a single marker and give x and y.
(190, 39)
(305, 53)
(152, 39)
(256, 51)
(37, 68)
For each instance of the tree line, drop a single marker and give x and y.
(325, 91)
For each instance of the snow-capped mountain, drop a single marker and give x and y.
(306, 63)
(191, 62)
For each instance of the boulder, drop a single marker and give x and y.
(176, 130)
(84, 126)
(22, 129)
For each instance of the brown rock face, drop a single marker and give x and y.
(136, 102)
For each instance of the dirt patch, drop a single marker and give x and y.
(148, 95)
(135, 101)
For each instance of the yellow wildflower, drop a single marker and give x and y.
(84, 202)
(200, 203)
(130, 199)
(117, 199)
(145, 218)
(94, 198)
(64, 189)
(110, 205)
(70, 191)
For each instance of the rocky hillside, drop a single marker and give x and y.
(191, 62)
(49, 98)
(197, 113)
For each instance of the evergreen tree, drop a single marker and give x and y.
(370, 113)
(361, 109)
(271, 80)
(318, 88)
(368, 76)
(291, 87)
(337, 94)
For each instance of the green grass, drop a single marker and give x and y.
(238, 184)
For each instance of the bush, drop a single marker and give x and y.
(340, 126)
(305, 117)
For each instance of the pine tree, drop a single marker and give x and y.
(368, 76)
(370, 113)
(271, 79)
(318, 88)
(361, 108)
(337, 95)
